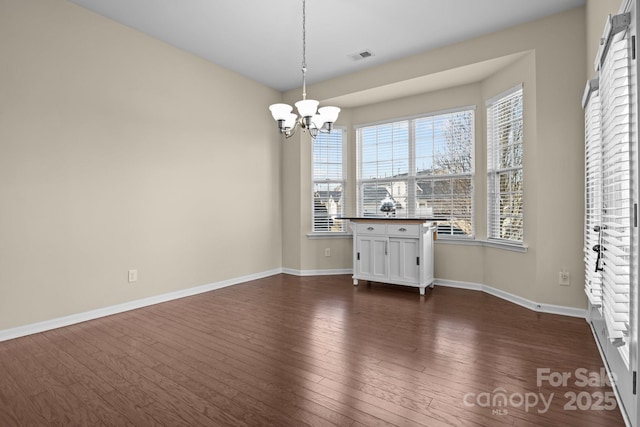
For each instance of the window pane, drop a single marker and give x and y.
(505, 219)
(384, 150)
(510, 205)
(369, 170)
(370, 196)
(424, 148)
(419, 168)
(453, 143)
(327, 205)
(451, 201)
(328, 181)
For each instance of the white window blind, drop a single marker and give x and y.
(328, 181)
(505, 185)
(593, 194)
(615, 105)
(421, 167)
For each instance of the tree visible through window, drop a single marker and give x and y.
(505, 186)
(422, 167)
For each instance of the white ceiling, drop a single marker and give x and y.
(262, 39)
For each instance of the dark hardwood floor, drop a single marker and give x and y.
(293, 351)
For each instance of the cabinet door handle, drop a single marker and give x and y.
(370, 228)
(385, 248)
(402, 229)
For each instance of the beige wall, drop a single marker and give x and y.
(553, 73)
(509, 271)
(119, 152)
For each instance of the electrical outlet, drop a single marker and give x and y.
(133, 276)
(564, 278)
(327, 251)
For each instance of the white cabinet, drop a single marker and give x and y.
(396, 251)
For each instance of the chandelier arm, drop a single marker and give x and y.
(290, 132)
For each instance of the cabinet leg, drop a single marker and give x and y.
(355, 282)
(422, 290)
(432, 285)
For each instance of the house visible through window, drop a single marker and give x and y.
(505, 218)
(420, 167)
(328, 181)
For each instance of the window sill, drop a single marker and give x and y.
(329, 235)
(486, 243)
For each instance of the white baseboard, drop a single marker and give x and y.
(59, 322)
(531, 305)
(336, 271)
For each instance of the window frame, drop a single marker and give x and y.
(593, 193)
(494, 173)
(618, 181)
(342, 210)
(412, 178)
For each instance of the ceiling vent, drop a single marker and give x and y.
(361, 55)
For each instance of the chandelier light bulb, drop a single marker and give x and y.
(307, 107)
(280, 111)
(290, 121)
(317, 121)
(330, 114)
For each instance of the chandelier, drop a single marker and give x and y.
(321, 120)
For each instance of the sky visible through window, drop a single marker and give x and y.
(385, 150)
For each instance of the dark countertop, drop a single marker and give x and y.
(384, 218)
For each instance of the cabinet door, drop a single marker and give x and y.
(373, 259)
(403, 260)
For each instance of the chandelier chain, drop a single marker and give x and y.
(304, 34)
(304, 49)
